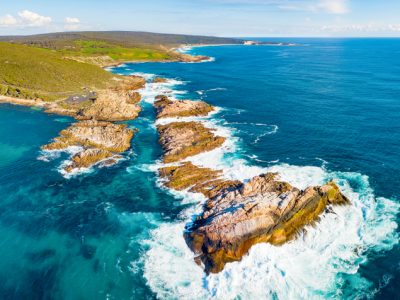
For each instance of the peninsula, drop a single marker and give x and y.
(63, 74)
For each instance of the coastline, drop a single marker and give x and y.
(338, 240)
(183, 137)
(332, 232)
(95, 137)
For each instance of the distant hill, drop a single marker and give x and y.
(55, 65)
(128, 39)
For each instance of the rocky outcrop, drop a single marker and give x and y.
(160, 80)
(167, 108)
(187, 58)
(187, 176)
(237, 214)
(112, 105)
(115, 104)
(184, 139)
(97, 140)
(261, 210)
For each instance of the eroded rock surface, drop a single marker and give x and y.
(97, 140)
(184, 139)
(261, 210)
(167, 108)
(236, 215)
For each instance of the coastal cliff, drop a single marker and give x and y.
(236, 215)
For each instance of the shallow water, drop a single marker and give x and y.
(325, 109)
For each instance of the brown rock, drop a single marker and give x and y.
(196, 179)
(193, 58)
(160, 80)
(262, 210)
(183, 139)
(167, 108)
(99, 140)
(88, 158)
(113, 105)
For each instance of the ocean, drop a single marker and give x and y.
(323, 109)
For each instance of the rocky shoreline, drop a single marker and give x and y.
(95, 137)
(236, 215)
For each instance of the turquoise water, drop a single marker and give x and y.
(324, 109)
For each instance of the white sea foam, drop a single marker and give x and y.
(151, 90)
(210, 59)
(310, 267)
(49, 155)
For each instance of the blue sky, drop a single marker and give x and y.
(210, 17)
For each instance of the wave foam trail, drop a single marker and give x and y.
(322, 260)
(151, 90)
(313, 266)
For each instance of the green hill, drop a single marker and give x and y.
(127, 39)
(56, 65)
(107, 47)
(29, 72)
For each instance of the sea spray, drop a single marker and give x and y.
(312, 266)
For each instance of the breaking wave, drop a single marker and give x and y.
(318, 264)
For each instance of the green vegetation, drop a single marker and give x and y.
(118, 53)
(126, 39)
(28, 72)
(58, 65)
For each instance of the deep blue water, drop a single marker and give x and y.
(335, 104)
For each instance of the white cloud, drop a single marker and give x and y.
(72, 23)
(25, 18)
(334, 6)
(8, 20)
(30, 18)
(72, 20)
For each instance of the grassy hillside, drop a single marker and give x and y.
(118, 53)
(127, 39)
(119, 46)
(29, 72)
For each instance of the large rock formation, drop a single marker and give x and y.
(196, 179)
(183, 139)
(261, 210)
(116, 103)
(97, 140)
(167, 108)
(236, 215)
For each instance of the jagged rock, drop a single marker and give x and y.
(112, 105)
(183, 139)
(88, 158)
(261, 210)
(195, 179)
(167, 108)
(193, 58)
(160, 80)
(98, 140)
